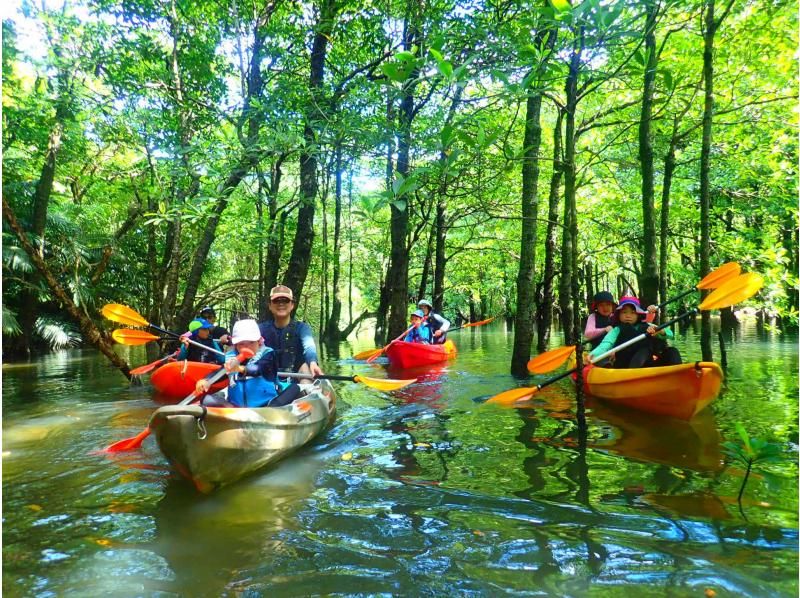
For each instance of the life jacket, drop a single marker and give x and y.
(419, 334)
(286, 343)
(195, 353)
(254, 391)
(433, 321)
(622, 358)
(599, 322)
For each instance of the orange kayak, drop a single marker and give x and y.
(677, 390)
(409, 355)
(177, 379)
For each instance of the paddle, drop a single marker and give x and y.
(729, 293)
(146, 369)
(128, 336)
(373, 354)
(128, 444)
(550, 360)
(470, 325)
(376, 383)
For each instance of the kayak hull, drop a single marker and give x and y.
(408, 355)
(177, 379)
(221, 445)
(679, 391)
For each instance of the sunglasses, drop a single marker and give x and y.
(281, 301)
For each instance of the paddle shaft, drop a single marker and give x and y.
(151, 366)
(378, 354)
(301, 375)
(644, 335)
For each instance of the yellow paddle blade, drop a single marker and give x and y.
(550, 360)
(383, 383)
(367, 354)
(509, 397)
(123, 314)
(734, 291)
(720, 276)
(125, 336)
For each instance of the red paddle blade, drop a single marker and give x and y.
(128, 444)
(481, 323)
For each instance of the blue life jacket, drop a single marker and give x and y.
(255, 391)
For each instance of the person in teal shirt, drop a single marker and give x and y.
(650, 352)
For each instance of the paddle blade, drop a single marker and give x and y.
(509, 397)
(367, 354)
(128, 444)
(481, 323)
(126, 336)
(734, 291)
(123, 314)
(547, 362)
(145, 369)
(720, 276)
(384, 383)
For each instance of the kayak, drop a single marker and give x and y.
(678, 391)
(214, 446)
(176, 379)
(408, 355)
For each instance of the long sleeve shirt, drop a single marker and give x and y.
(611, 338)
(419, 334)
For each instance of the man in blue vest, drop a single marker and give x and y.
(438, 324)
(291, 339)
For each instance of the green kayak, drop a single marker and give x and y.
(214, 446)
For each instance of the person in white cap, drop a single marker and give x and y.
(438, 324)
(291, 339)
(256, 382)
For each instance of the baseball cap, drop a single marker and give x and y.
(245, 330)
(281, 291)
(199, 323)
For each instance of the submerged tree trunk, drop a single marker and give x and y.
(300, 259)
(648, 283)
(397, 281)
(526, 289)
(545, 312)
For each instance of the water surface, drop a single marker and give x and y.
(424, 491)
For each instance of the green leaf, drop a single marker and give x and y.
(436, 54)
(445, 68)
(400, 204)
(561, 5)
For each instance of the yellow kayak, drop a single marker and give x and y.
(677, 390)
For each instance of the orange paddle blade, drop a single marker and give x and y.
(123, 314)
(547, 362)
(734, 291)
(481, 323)
(128, 444)
(367, 354)
(720, 276)
(126, 336)
(509, 397)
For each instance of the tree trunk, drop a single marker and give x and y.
(526, 291)
(397, 281)
(663, 249)
(705, 166)
(332, 328)
(648, 283)
(90, 332)
(426, 266)
(300, 259)
(545, 313)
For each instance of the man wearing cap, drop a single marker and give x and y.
(209, 352)
(218, 333)
(438, 324)
(291, 339)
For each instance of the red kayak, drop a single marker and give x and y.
(409, 355)
(178, 378)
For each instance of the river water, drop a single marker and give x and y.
(423, 491)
